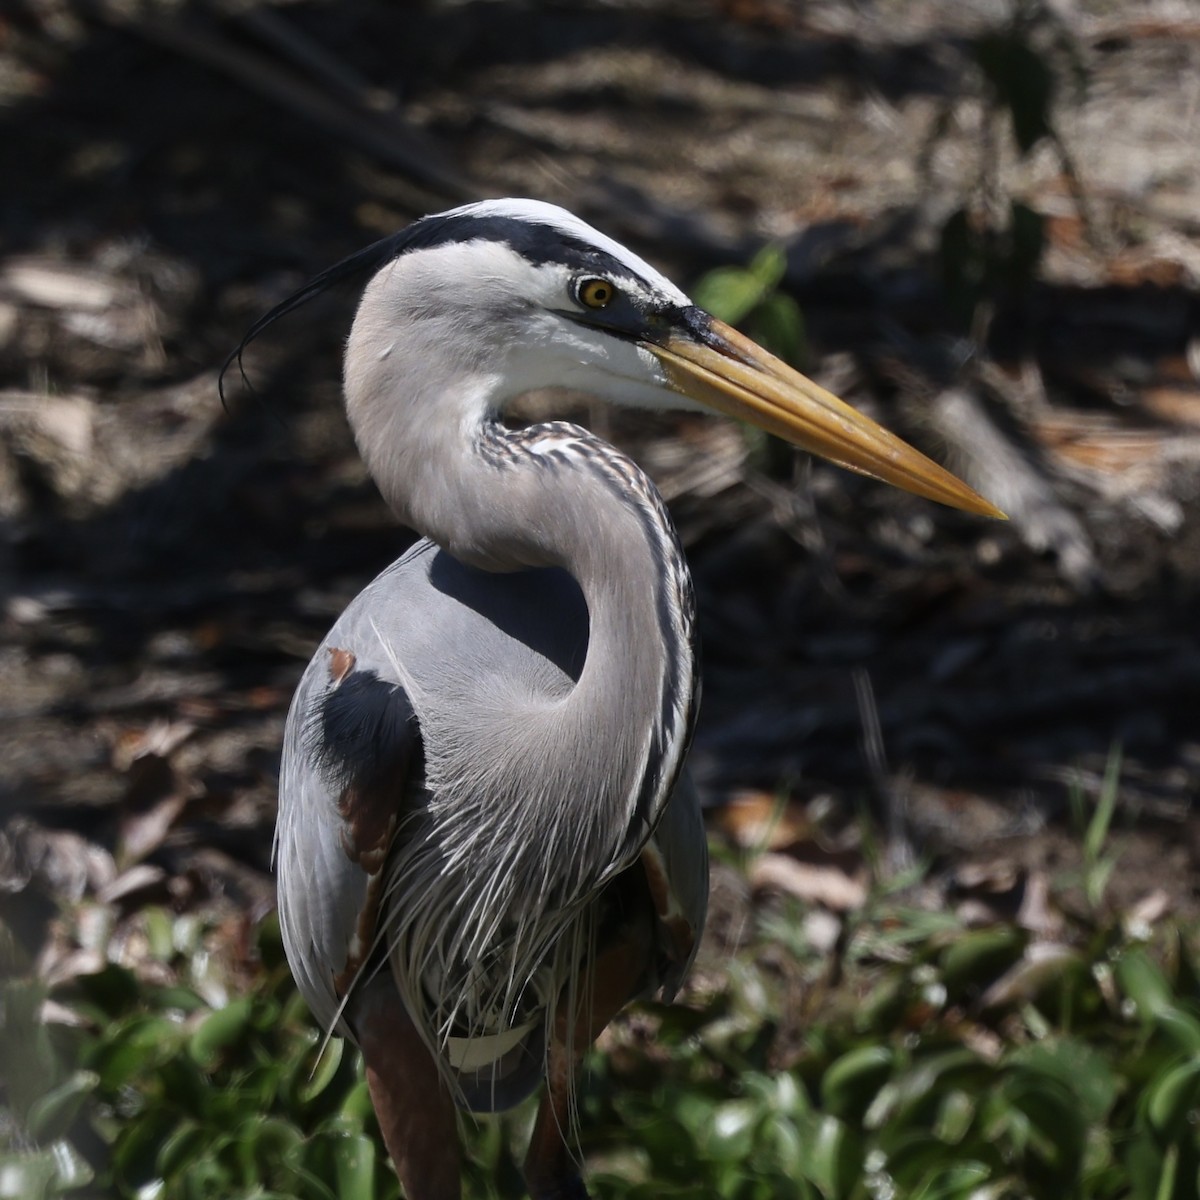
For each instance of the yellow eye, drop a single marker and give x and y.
(596, 293)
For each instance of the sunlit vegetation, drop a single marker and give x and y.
(923, 1056)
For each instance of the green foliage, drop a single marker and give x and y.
(947, 1063)
(750, 298)
(1094, 1093)
(1098, 861)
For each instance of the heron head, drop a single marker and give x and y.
(484, 303)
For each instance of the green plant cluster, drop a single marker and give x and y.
(1085, 1082)
(158, 1093)
(943, 1063)
(753, 299)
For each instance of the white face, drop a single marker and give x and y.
(526, 325)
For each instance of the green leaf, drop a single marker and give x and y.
(1084, 1071)
(1144, 1164)
(135, 1154)
(787, 1146)
(695, 1112)
(913, 1158)
(134, 1048)
(884, 1005)
(668, 1144)
(187, 1141)
(312, 1161)
(920, 1084)
(729, 293)
(357, 1107)
(1056, 1129)
(208, 1178)
(160, 932)
(769, 266)
(853, 1081)
(1101, 822)
(177, 996)
(832, 1157)
(1181, 1027)
(976, 958)
(189, 1088)
(219, 1032)
(776, 1093)
(322, 1066)
(955, 1114)
(354, 1160)
(1173, 1101)
(1144, 984)
(778, 324)
(729, 1135)
(52, 1114)
(263, 1146)
(733, 293)
(962, 1179)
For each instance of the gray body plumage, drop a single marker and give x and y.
(481, 780)
(494, 881)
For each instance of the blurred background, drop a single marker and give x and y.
(949, 765)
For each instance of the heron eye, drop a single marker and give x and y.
(595, 293)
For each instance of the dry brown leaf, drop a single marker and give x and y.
(817, 882)
(143, 832)
(136, 879)
(1037, 912)
(760, 821)
(996, 875)
(159, 738)
(58, 969)
(1150, 908)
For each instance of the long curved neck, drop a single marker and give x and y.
(588, 508)
(592, 766)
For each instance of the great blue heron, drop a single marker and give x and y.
(486, 845)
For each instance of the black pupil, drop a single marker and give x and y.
(599, 293)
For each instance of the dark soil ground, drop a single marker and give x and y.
(167, 564)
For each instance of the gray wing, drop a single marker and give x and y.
(352, 758)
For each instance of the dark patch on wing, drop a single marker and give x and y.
(364, 739)
(363, 731)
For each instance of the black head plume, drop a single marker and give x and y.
(369, 259)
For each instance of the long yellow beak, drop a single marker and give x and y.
(737, 377)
